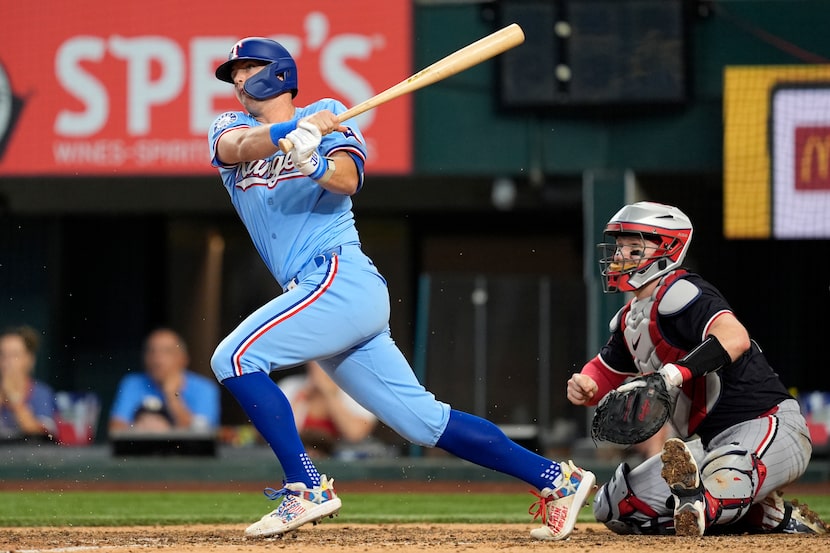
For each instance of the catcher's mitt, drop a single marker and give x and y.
(634, 412)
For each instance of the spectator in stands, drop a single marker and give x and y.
(327, 418)
(27, 406)
(167, 395)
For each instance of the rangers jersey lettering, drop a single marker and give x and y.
(268, 193)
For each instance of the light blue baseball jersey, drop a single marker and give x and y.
(289, 216)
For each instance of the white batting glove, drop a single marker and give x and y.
(672, 375)
(306, 139)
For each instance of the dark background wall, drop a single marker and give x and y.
(96, 263)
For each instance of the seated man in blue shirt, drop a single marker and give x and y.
(166, 395)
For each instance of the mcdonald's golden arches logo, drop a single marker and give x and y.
(812, 158)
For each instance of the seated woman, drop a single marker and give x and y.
(27, 406)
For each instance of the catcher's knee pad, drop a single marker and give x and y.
(616, 505)
(731, 476)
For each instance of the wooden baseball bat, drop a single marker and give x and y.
(472, 54)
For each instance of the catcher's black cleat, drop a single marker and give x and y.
(681, 473)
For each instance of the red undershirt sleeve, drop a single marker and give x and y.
(605, 378)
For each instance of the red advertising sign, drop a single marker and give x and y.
(94, 87)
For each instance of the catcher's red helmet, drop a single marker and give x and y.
(668, 228)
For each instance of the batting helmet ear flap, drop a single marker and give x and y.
(279, 75)
(275, 78)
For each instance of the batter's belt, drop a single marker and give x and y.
(318, 261)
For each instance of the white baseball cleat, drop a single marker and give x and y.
(560, 507)
(802, 520)
(681, 473)
(300, 505)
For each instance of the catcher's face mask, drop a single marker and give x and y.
(643, 242)
(626, 255)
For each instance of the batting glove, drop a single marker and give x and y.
(306, 139)
(674, 375)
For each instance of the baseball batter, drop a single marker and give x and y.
(335, 306)
(743, 435)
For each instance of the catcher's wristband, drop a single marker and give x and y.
(707, 357)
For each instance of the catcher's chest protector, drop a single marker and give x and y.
(637, 325)
(650, 350)
(646, 343)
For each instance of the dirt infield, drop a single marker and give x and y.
(332, 535)
(372, 538)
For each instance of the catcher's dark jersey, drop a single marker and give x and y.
(741, 391)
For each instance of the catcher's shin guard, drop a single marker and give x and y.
(617, 506)
(732, 477)
(720, 492)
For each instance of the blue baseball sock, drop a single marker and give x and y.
(271, 414)
(481, 442)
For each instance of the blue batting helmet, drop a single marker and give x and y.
(280, 75)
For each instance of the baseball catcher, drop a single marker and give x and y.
(678, 353)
